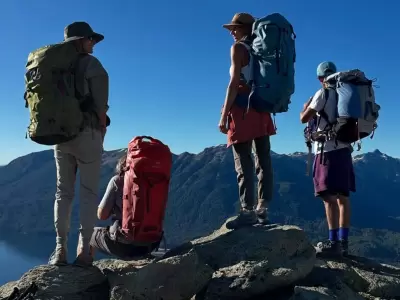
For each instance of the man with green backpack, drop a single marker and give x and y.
(67, 96)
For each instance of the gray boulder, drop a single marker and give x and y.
(69, 282)
(254, 263)
(350, 278)
(175, 278)
(252, 260)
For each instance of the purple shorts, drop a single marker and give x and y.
(335, 174)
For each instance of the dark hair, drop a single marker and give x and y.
(120, 168)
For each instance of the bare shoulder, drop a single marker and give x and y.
(238, 50)
(239, 47)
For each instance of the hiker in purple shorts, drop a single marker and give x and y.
(333, 173)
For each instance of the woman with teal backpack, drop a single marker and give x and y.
(247, 130)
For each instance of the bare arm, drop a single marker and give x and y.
(107, 203)
(312, 106)
(237, 54)
(307, 113)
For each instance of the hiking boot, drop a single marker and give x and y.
(245, 218)
(59, 256)
(329, 248)
(345, 247)
(262, 216)
(83, 260)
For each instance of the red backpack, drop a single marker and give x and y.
(146, 186)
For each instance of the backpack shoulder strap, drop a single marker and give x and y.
(75, 70)
(247, 45)
(322, 113)
(86, 100)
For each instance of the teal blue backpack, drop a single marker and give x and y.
(274, 55)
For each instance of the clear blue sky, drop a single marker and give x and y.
(168, 63)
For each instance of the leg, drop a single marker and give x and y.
(245, 173)
(344, 222)
(264, 171)
(347, 185)
(102, 241)
(324, 185)
(332, 215)
(344, 211)
(244, 167)
(66, 174)
(89, 151)
(332, 245)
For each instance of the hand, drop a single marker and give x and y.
(103, 131)
(222, 124)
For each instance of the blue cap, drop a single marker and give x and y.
(326, 68)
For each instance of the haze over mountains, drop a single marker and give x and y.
(203, 193)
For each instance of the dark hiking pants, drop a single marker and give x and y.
(244, 165)
(102, 241)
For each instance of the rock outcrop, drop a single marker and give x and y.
(258, 262)
(69, 282)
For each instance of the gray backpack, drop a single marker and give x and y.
(357, 111)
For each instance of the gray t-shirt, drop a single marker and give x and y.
(92, 79)
(112, 199)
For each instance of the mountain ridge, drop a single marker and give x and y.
(203, 193)
(219, 146)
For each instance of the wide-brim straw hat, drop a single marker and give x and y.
(239, 20)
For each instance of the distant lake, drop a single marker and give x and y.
(20, 253)
(14, 263)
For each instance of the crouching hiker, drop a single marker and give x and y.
(67, 94)
(135, 199)
(333, 173)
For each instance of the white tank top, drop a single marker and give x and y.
(246, 71)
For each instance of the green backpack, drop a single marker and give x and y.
(51, 96)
